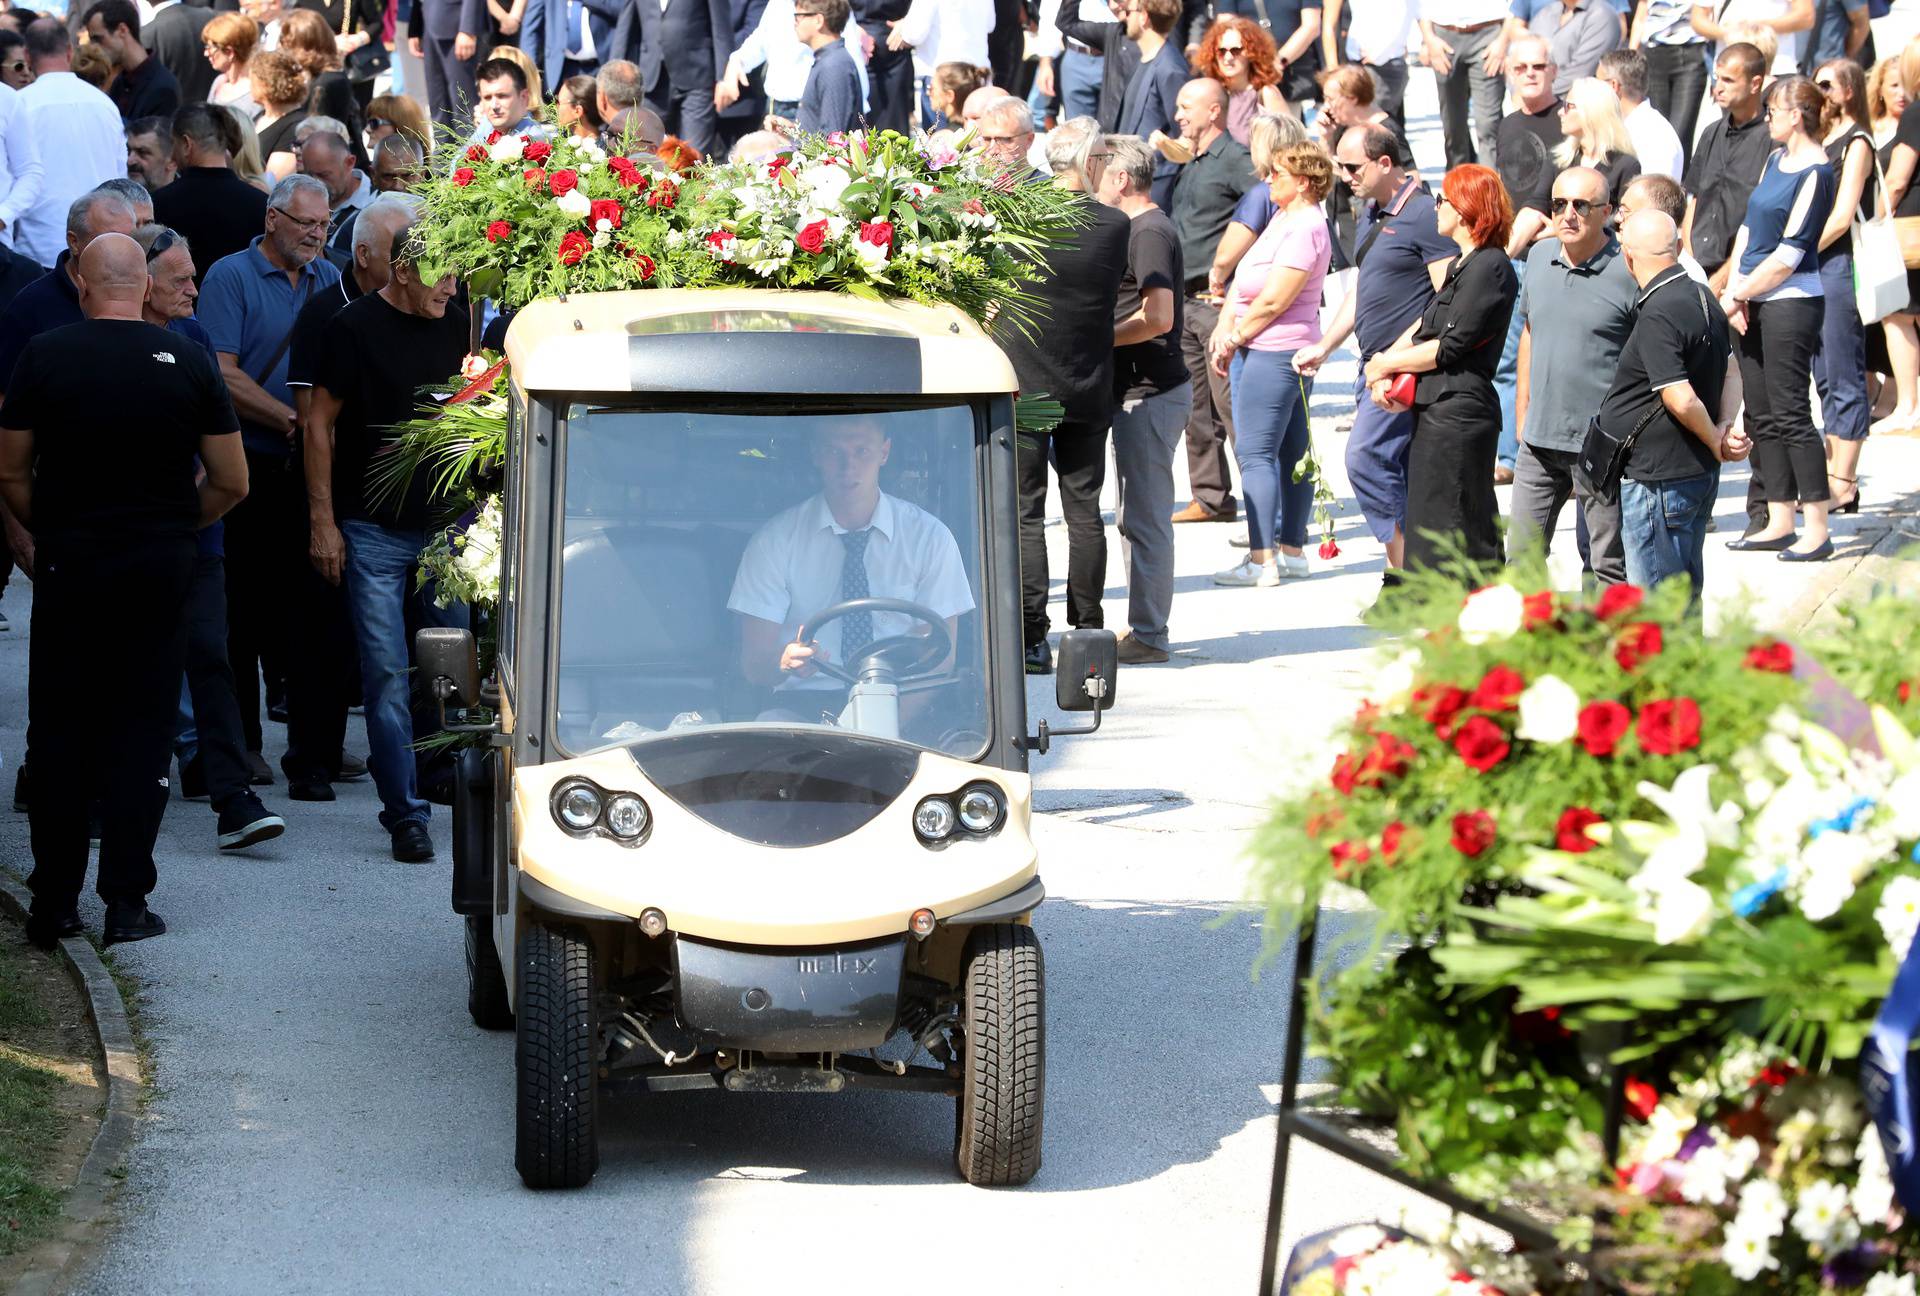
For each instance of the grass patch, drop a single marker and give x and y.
(32, 1118)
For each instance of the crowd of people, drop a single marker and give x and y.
(1610, 291)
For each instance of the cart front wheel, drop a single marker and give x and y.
(556, 1143)
(486, 982)
(1004, 1050)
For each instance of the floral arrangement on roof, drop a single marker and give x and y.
(1598, 842)
(870, 213)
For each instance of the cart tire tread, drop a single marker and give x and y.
(486, 981)
(1002, 1098)
(556, 1141)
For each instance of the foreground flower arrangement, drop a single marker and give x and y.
(1596, 837)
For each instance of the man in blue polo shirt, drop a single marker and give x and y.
(249, 302)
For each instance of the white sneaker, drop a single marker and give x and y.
(1249, 573)
(1291, 567)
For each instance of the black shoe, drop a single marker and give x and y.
(131, 921)
(309, 790)
(1819, 553)
(245, 822)
(411, 844)
(277, 711)
(193, 780)
(351, 768)
(258, 772)
(1746, 544)
(1039, 659)
(20, 790)
(45, 931)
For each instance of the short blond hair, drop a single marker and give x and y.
(1269, 136)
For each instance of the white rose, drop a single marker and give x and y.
(1395, 680)
(1495, 612)
(508, 148)
(602, 226)
(574, 203)
(601, 237)
(1549, 711)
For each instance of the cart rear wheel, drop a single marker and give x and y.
(556, 1143)
(1004, 1049)
(486, 982)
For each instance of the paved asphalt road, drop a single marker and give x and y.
(327, 1119)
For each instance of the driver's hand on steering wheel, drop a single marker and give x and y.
(798, 658)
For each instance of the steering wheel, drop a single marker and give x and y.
(895, 658)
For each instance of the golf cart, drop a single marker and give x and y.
(754, 812)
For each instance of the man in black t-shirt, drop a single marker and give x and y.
(374, 356)
(1152, 396)
(1676, 383)
(113, 506)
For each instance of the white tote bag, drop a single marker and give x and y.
(1879, 267)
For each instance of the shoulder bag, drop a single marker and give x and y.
(1879, 260)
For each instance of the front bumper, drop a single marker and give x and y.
(792, 1000)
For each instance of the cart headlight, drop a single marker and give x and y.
(933, 818)
(980, 809)
(627, 817)
(578, 807)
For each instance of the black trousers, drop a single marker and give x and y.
(687, 111)
(266, 553)
(216, 712)
(103, 687)
(321, 680)
(1776, 365)
(1078, 452)
(1451, 508)
(889, 84)
(1676, 82)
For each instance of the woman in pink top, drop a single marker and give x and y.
(1272, 311)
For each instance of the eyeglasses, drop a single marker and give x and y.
(1531, 67)
(1012, 139)
(162, 244)
(1825, 85)
(1235, 50)
(1442, 201)
(1581, 207)
(303, 224)
(375, 123)
(798, 14)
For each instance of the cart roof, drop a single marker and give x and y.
(749, 341)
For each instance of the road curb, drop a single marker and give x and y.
(99, 1178)
(1853, 579)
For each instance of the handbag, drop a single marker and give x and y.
(1603, 457)
(1400, 390)
(1879, 261)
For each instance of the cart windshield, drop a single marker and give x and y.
(697, 545)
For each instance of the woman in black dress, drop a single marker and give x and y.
(280, 88)
(1454, 348)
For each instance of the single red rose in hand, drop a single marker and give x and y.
(1642, 1099)
(1537, 610)
(1773, 656)
(537, 151)
(477, 153)
(1329, 548)
(1570, 834)
(463, 177)
(1443, 703)
(1348, 854)
(534, 177)
(1481, 743)
(573, 247)
(1670, 726)
(1618, 600)
(878, 233)
(812, 237)
(1602, 725)
(562, 183)
(646, 265)
(604, 209)
(1390, 839)
(1639, 641)
(1500, 689)
(1473, 833)
(499, 230)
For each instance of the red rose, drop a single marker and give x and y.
(634, 178)
(1346, 773)
(535, 178)
(779, 163)
(1904, 690)
(499, 230)
(463, 177)
(494, 138)
(1669, 727)
(1347, 854)
(537, 151)
(1642, 1099)
(1390, 839)
(646, 265)
(1481, 743)
(477, 153)
(604, 209)
(1319, 823)
(1618, 600)
(1499, 690)
(812, 237)
(1388, 759)
(1774, 657)
(1570, 834)
(1473, 833)
(878, 233)
(573, 247)
(663, 195)
(562, 183)
(1329, 548)
(1537, 610)
(1446, 701)
(1602, 725)
(1638, 642)
(974, 207)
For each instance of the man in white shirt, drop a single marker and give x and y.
(850, 541)
(1377, 37)
(21, 175)
(1655, 142)
(79, 133)
(787, 59)
(944, 31)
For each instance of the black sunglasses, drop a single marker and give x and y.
(1825, 85)
(18, 65)
(1351, 168)
(1582, 207)
(162, 244)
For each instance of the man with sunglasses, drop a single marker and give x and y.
(1576, 309)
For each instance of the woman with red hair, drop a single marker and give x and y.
(1453, 349)
(1240, 55)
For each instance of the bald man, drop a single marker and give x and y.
(113, 505)
(1673, 396)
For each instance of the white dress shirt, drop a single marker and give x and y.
(947, 31)
(81, 143)
(788, 60)
(1380, 30)
(21, 175)
(1655, 142)
(791, 571)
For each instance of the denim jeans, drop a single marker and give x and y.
(1079, 84)
(380, 568)
(1271, 436)
(1840, 365)
(1506, 382)
(1664, 526)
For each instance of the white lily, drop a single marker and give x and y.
(1689, 803)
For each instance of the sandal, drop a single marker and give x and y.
(1853, 501)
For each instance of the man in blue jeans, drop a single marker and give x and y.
(1678, 386)
(373, 356)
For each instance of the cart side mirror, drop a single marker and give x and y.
(449, 663)
(1087, 670)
